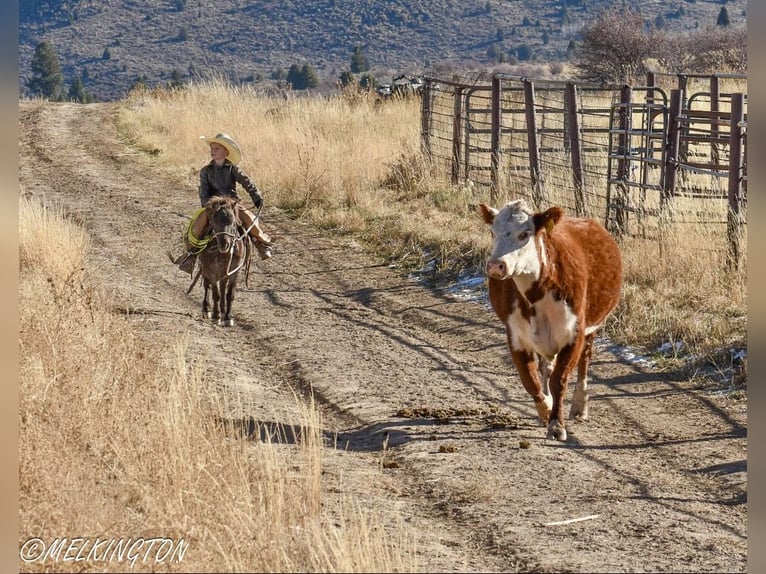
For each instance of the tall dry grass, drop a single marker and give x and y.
(119, 439)
(354, 166)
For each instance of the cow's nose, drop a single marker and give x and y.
(496, 268)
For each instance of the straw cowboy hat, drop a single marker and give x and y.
(226, 141)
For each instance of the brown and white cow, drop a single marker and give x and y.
(553, 280)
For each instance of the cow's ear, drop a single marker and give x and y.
(488, 213)
(548, 218)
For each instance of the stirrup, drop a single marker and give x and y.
(186, 263)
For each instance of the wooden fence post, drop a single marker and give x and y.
(573, 124)
(426, 115)
(497, 123)
(734, 221)
(623, 163)
(457, 133)
(535, 171)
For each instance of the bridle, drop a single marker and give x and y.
(236, 238)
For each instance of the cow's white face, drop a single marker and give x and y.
(515, 251)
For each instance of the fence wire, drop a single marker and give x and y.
(523, 147)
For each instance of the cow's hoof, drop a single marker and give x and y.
(578, 412)
(579, 408)
(557, 431)
(544, 409)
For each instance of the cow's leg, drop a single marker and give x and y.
(580, 400)
(206, 299)
(565, 362)
(526, 365)
(546, 368)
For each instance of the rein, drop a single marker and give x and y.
(238, 237)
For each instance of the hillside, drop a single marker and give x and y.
(111, 43)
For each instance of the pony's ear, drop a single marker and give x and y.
(548, 218)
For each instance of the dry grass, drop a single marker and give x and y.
(350, 165)
(118, 438)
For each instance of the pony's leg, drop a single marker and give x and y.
(206, 299)
(228, 320)
(216, 302)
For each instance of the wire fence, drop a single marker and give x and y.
(643, 159)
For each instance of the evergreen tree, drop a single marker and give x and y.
(176, 80)
(346, 79)
(309, 77)
(723, 17)
(47, 80)
(78, 93)
(302, 77)
(294, 77)
(367, 82)
(142, 82)
(359, 62)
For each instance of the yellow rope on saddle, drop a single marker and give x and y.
(197, 243)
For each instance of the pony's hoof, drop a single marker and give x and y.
(557, 431)
(228, 322)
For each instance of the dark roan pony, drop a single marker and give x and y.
(225, 256)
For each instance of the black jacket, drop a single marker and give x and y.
(214, 180)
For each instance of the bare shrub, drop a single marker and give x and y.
(614, 48)
(707, 51)
(406, 173)
(622, 47)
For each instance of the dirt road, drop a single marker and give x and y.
(415, 386)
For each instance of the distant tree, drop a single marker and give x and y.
(526, 21)
(659, 22)
(176, 80)
(107, 55)
(294, 77)
(47, 80)
(614, 47)
(180, 5)
(546, 38)
(278, 75)
(571, 49)
(182, 34)
(523, 52)
(78, 93)
(359, 62)
(496, 54)
(499, 35)
(723, 17)
(346, 79)
(141, 83)
(309, 76)
(367, 82)
(302, 77)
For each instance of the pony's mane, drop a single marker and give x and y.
(219, 200)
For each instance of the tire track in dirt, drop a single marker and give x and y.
(662, 462)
